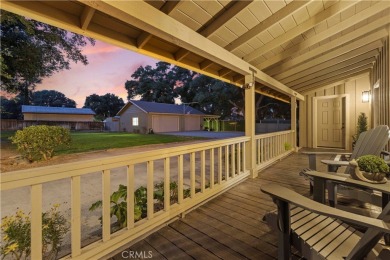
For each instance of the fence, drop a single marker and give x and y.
(14, 124)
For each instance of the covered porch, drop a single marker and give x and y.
(301, 51)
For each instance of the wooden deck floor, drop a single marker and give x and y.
(229, 226)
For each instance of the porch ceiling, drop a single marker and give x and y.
(293, 46)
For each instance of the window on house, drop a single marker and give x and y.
(135, 121)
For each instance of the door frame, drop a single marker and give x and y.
(344, 114)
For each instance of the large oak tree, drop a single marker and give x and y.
(31, 51)
(104, 106)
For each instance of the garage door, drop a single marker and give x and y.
(192, 123)
(165, 124)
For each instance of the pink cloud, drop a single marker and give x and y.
(108, 69)
(99, 48)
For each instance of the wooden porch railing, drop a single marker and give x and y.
(206, 169)
(271, 147)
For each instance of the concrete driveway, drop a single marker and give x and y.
(207, 134)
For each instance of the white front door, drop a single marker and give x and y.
(330, 123)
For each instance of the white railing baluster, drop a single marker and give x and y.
(180, 179)
(243, 156)
(130, 196)
(227, 173)
(36, 221)
(262, 155)
(76, 215)
(192, 174)
(212, 168)
(106, 208)
(238, 158)
(150, 190)
(219, 165)
(233, 160)
(202, 171)
(167, 182)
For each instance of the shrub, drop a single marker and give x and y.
(287, 146)
(16, 234)
(360, 128)
(38, 142)
(372, 163)
(119, 205)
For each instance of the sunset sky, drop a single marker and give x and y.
(108, 69)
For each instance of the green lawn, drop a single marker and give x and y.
(84, 142)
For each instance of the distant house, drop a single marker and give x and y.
(142, 116)
(41, 113)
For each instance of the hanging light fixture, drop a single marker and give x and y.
(366, 96)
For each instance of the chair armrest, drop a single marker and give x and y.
(335, 163)
(386, 153)
(313, 159)
(324, 153)
(344, 179)
(284, 194)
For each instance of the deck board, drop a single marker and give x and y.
(230, 226)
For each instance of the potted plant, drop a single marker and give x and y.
(369, 168)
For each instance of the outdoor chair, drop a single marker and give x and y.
(322, 232)
(371, 142)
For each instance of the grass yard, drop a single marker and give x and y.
(84, 141)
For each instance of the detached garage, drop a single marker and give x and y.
(142, 116)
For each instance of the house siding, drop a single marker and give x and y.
(381, 95)
(58, 117)
(126, 120)
(352, 91)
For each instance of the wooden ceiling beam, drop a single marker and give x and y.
(169, 6)
(328, 58)
(334, 65)
(268, 22)
(166, 8)
(301, 28)
(86, 17)
(225, 15)
(339, 81)
(224, 72)
(205, 64)
(359, 17)
(334, 78)
(181, 54)
(326, 61)
(143, 39)
(339, 68)
(334, 50)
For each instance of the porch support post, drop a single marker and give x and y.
(294, 123)
(250, 124)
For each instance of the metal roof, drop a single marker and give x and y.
(162, 108)
(56, 110)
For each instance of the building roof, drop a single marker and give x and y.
(56, 110)
(162, 108)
